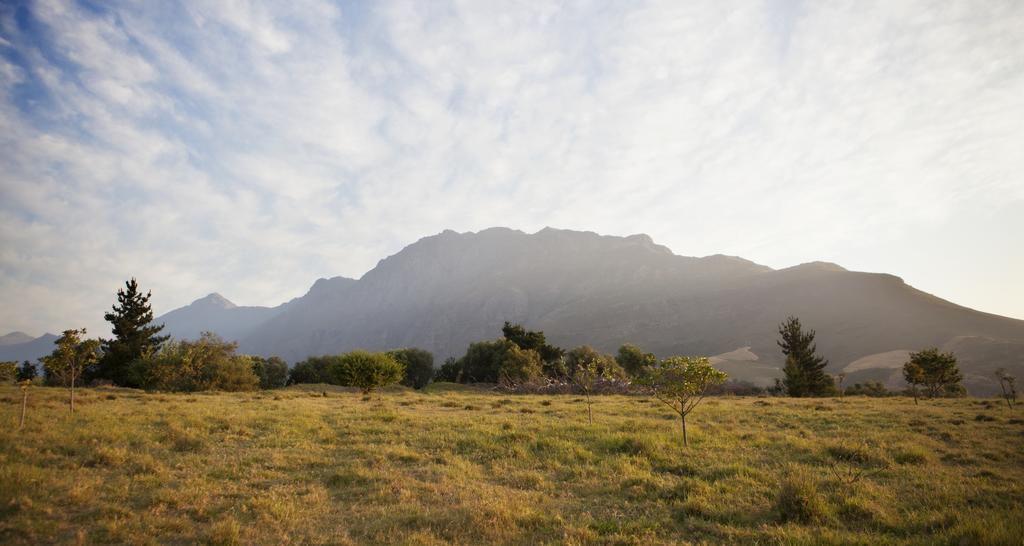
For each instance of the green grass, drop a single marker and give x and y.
(459, 465)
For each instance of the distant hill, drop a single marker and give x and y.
(450, 289)
(214, 313)
(14, 338)
(27, 350)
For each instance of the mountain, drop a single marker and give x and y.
(14, 338)
(30, 350)
(214, 313)
(448, 290)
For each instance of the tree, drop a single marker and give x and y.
(134, 335)
(1008, 384)
(680, 382)
(208, 363)
(315, 369)
(804, 370)
(606, 366)
(497, 361)
(450, 371)
(367, 370)
(419, 366)
(585, 368)
(936, 372)
(272, 372)
(840, 377)
(8, 371)
(27, 371)
(70, 359)
(913, 374)
(633, 360)
(533, 341)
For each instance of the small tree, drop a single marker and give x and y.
(1007, 383)
(804, 370)
(840, 377)
(419, 366)
(71, 358)
(936, 372)
(680, 382)
(913, 374)
(367, 370)
(633, 360)
(530, 340)
(24, 401)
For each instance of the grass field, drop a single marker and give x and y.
(457, 465)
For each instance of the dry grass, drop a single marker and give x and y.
(320, 465)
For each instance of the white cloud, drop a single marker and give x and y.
(251, 147)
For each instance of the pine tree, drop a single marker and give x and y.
(134, 335)
(804, 370)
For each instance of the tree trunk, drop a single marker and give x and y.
(72, 393)
(590, 410)
(24, 403)
(683, 423)
(914, 391)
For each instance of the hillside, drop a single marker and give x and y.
(450, 289)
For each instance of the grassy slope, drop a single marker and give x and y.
(464, 466)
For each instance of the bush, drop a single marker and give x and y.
(272, 372)
(870, 388)
(419, 366)
(498, 360)
(450, 371)
(209, 363)
(8, 372)
(315, 369)
(366, 370)
(799, 500)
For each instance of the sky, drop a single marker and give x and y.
(249, 148)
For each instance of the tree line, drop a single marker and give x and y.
(139, 356)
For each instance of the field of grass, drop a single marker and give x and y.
(319, 465)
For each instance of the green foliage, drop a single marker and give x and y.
(532, 341)
(366, 370)
(315, 369)
(869, 388)
(681, 382)
(936, 372)
(419, 366)
(134, 335)
(804, 370)
(499, 360)
(633, 360)
(27, 371)
(209, 363)
(604, 366)
(8, 371)
(272, 372)
(450, 371)
(71, 359)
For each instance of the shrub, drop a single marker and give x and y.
(8, 371)
(450, 371)
(366, 370)
(272, 372)
(314, 369)
(869, 388)
(498, 360)
(209, 363)
(419, 366)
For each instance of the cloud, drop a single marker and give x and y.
(250, 147)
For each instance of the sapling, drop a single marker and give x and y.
(680, 382)
(1008, 383)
